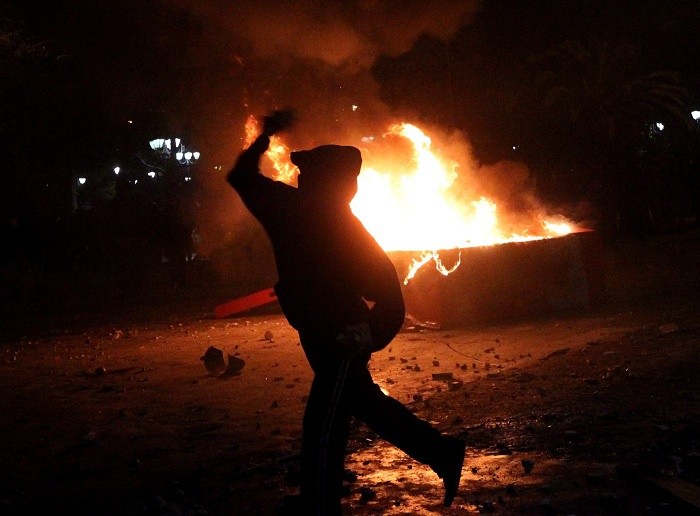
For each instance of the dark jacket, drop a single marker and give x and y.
(328, 264)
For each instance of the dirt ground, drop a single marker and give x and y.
(592, 412)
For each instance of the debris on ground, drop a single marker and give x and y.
(214, 362)
(413, 325)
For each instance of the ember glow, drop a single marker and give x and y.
(415, 208)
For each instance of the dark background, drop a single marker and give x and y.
(572, 89)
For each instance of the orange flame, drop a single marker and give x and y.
(278, 153)
(413, 208)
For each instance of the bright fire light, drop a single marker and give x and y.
(414, 207)
(278, 153)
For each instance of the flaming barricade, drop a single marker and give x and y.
(487, 263)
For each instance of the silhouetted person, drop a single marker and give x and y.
(328, 267)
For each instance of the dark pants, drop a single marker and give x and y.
(343, 387)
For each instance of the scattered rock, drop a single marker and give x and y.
(455, 385)
(367, 494)
(269, 336)
(528, 465)
(214, 362)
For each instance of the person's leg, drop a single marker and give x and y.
(325, 433)
(392, 421)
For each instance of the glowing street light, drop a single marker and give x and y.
(659, 126)
(117, 170)
(187, 157)
(695, 114)
(163, 145)
(82, 180)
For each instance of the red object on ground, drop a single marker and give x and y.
(244, 303)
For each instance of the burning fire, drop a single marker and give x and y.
(413, 208)
(278, 153)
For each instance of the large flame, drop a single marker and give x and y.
(414, 208)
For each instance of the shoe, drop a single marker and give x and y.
(450, 469)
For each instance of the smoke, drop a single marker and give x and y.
(348, 34)
(314, 56)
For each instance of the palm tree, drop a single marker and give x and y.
(603, 104)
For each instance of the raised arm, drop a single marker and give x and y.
(248, 163)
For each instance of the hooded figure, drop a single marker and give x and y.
(329, 267)
(329, 170)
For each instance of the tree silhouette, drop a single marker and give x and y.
(602, 107)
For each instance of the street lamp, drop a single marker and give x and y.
(695, 114)
(187, 157)
(163, 145)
